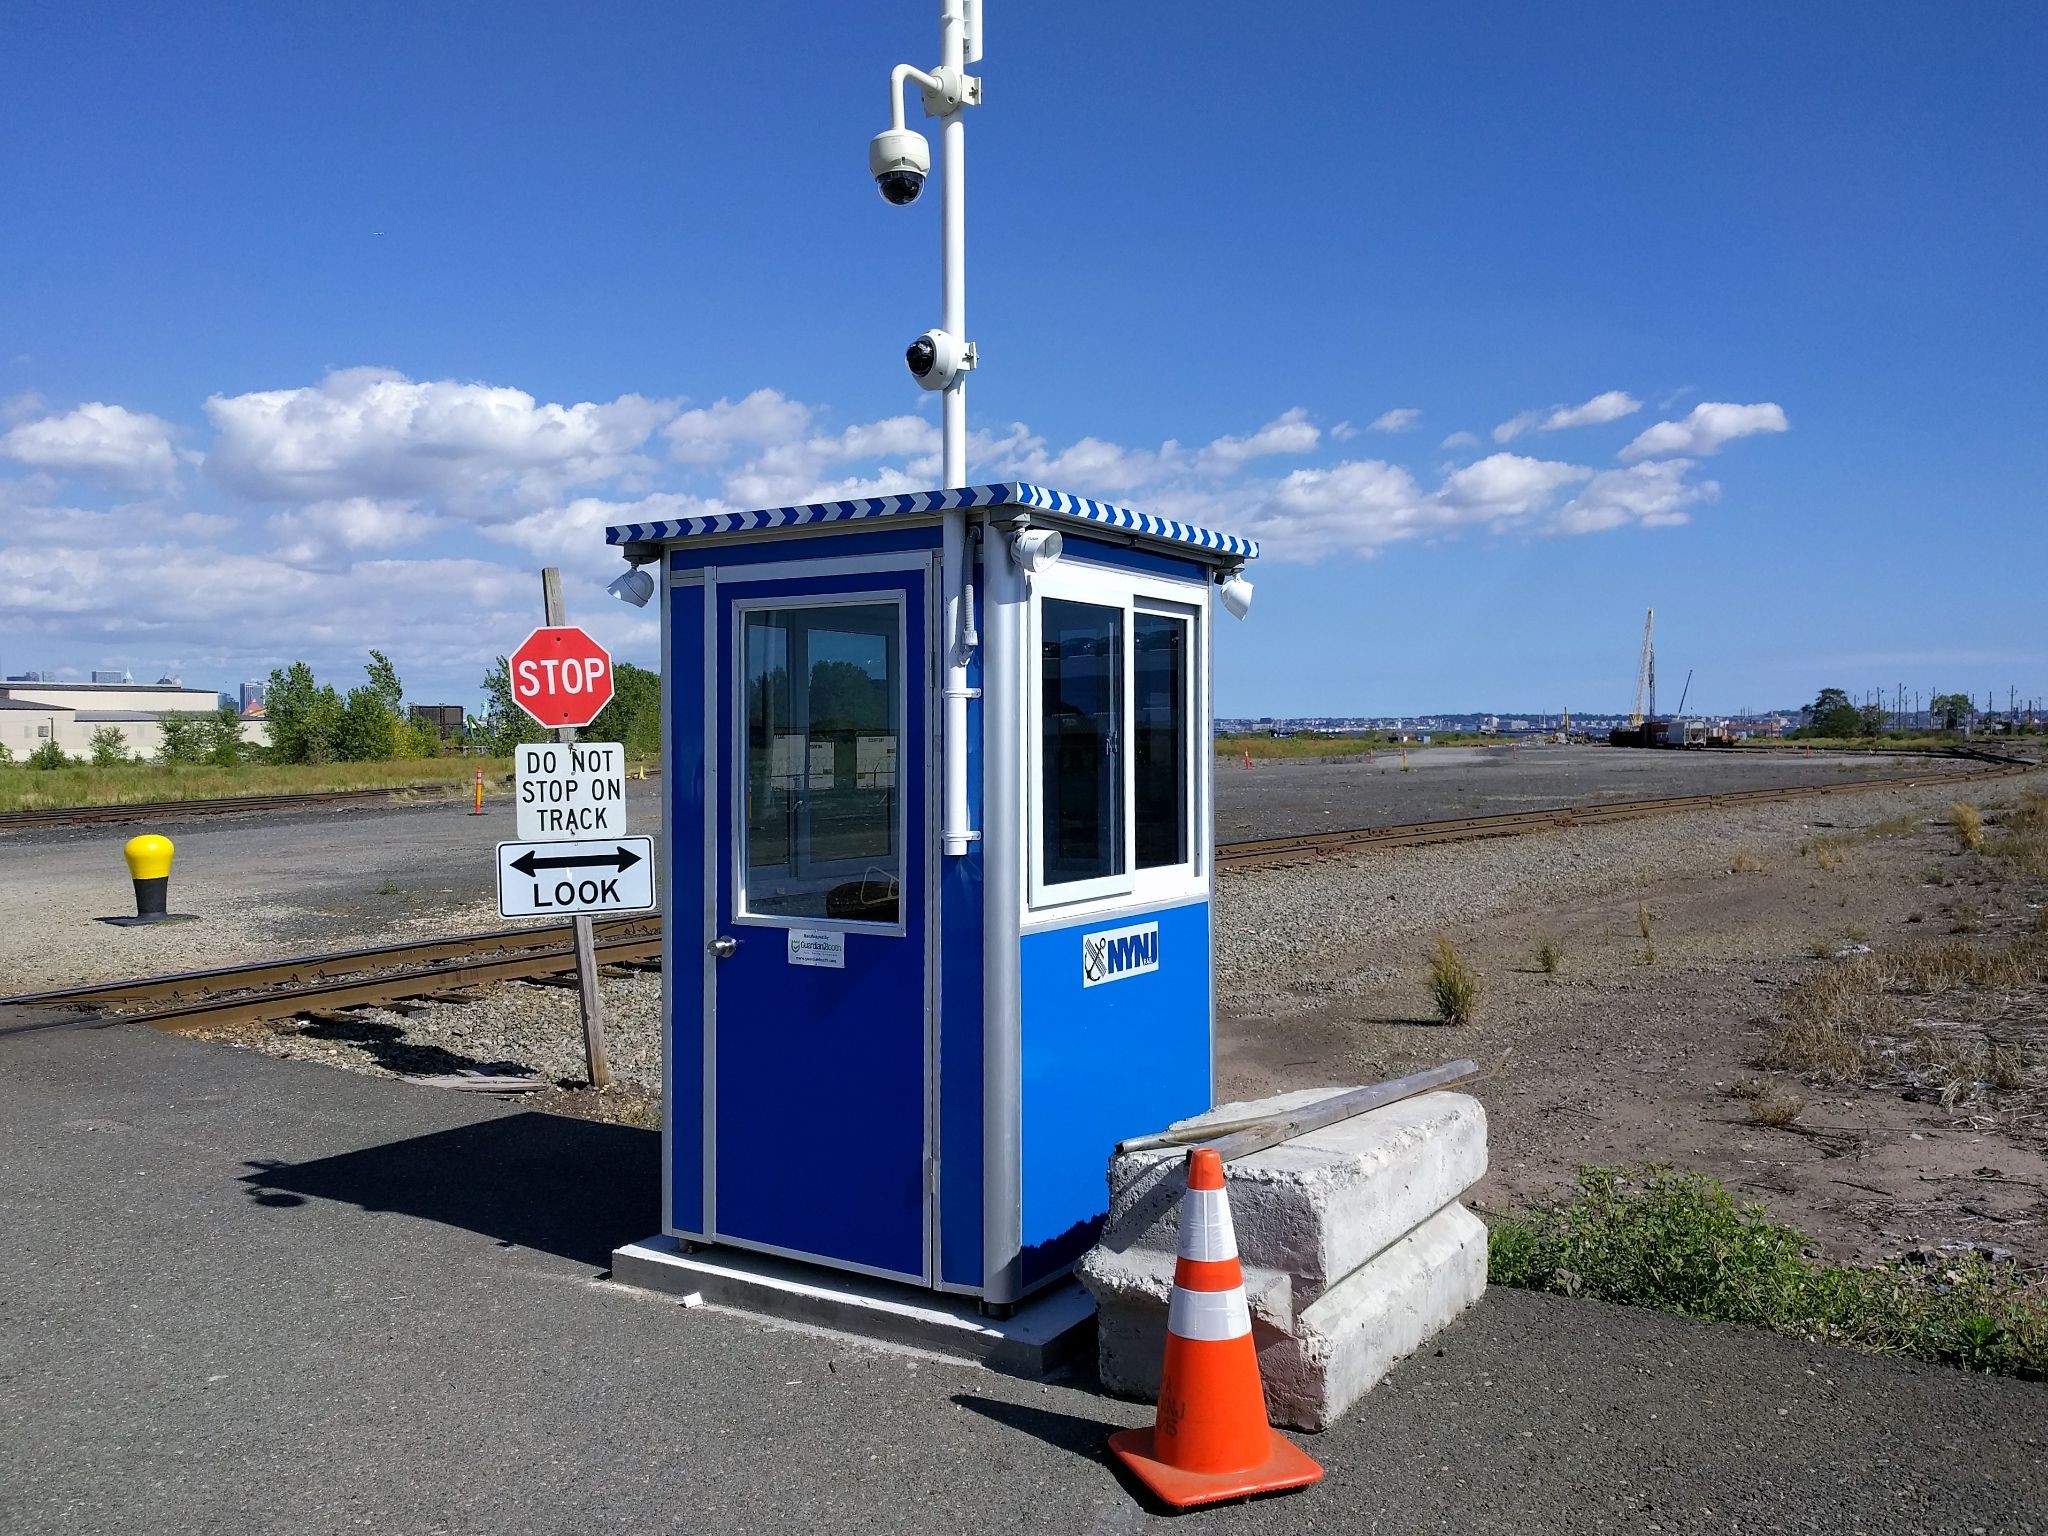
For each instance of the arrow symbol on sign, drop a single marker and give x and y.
(619, 858)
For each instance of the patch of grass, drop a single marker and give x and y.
(1969, 824)
(1677, 1241)
(1773, 1110)
(1968, 917)
(24, 789)
(1549, 956)
(1827, 852)
(1279, 747)
(1745, 863)
(1644, 917)
(1453, 984)
(1649, 954)
(1829, 1018)
(1892, 826)
(1749, 1088)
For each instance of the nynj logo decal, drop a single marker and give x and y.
(1116, 953)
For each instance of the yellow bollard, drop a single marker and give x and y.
(149, 865)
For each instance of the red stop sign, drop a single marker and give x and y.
(561, 676)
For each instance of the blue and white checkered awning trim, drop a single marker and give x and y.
(1011, 494)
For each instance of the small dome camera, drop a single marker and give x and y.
(899, 159)
(935, 359)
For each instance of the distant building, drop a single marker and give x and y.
(33, 714)
(122, 676)
(252, 697)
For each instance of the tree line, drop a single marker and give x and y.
(1834, 714)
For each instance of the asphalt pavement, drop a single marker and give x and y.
(244, 1295)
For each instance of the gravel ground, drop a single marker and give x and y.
(1636, 1053)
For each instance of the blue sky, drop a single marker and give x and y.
(322, 326)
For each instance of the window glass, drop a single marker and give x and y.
(823, 817)
(1081, 674)
(1161, 737)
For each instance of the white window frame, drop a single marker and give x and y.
(885, 597)
(1130, 593)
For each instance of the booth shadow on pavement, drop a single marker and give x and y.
(551, 1183)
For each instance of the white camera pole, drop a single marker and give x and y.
(899, 160)
(953, 58)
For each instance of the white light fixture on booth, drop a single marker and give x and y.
(634, 587)
(1235, 593)
(1035, 549)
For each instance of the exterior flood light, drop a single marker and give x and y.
(634, 587)
(1236, 595)
(1035, 549)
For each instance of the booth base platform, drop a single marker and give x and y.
(1045, 1331)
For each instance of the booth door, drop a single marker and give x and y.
(817, 969)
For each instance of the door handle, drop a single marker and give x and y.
(723, 947)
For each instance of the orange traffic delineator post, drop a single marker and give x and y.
(1247, 757)
(1211, 1439)
(479, 793)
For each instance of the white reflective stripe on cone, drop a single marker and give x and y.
(1205, 1229)
(1208, 1317)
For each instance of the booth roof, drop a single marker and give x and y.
(1036, 498)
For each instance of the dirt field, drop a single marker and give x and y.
(1649, 1049)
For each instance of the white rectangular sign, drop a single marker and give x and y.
(563, 879)
(1115, 953)
(574, 790)
(824, 947)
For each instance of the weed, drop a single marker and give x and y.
(1643, 917)
(1745, 863)
(1821, 949)
(1749, 1088)
(1830, 1015)
(1969, 917)
(1649, 954)
(2005, 1066)
(390, 888)
(1677, 1241)
(1892, 826)
(1549, 956)
(1855, 935)
(1827, 853)
(1969, 824)
(1776, 1111)
(1934, 874)
(1453, 984)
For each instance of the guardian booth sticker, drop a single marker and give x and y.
(1116, 953)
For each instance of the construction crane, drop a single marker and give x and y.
(1646, 673)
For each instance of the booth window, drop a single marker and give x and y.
(1081, 742)
(1161, 737)
(823, 822)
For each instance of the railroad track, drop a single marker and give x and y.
(164, 810)
(270, 991)
(1256, 853)
(449, 968)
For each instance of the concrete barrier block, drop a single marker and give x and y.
(1131, 1290)
(1379, 1314)
(1338, 1348)
(1318, 1207)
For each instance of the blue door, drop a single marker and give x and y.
(818, 969)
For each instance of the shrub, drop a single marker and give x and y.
(1745, 863)
(1549, 956)
(1969, 824)
(1453, 984)
(107, 747)
(1677, 1241)
(48, 755)
(1773, 1111)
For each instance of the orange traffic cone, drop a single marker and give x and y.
(1247, 757)
(1210, 1439)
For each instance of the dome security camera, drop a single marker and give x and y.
(634, 587)
(937, 358)
(899, 159)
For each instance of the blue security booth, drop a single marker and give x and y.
(939, 859)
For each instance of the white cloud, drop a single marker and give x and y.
(1291, 432)
(1506, 485)
(710, 434)
(372, 432)
(107, 445)
(1343, 432)
(1462, 440)
(1654, 495)
(1704, 430)
(1611, 405)
(1405, 418)
(328, 532)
